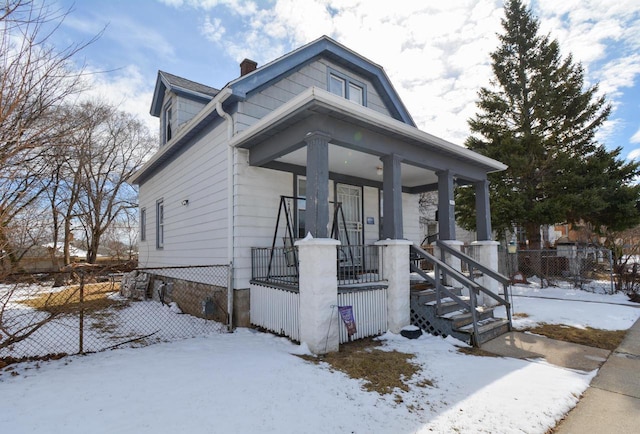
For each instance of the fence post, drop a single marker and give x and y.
(81, 316)
(230, 296)
(613, 288)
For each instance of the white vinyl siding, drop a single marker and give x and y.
(411, 217)
(258, 192)
(195, 234)
(371, 209)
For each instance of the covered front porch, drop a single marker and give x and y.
(324, 138)
(335, 145)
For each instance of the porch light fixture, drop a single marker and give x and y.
(379, 170)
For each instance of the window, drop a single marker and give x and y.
(143, 224)
(337, 85)
(167, 127)
(356, 94)
(346, 87)
(160, 224)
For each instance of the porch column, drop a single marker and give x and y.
(483, 211)
(395, 269)
(446, 206)
(317, 213)
(392, 198)
(318, 315)
(486, 252)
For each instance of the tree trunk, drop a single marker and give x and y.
(533, 236)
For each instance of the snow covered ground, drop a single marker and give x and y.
(248, 382)
(122, 322)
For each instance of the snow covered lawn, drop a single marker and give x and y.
(250, 382)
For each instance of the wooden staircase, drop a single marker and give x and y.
(452, 320)
(443, 310)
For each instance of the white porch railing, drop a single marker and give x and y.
(369, 312)
(276, 310)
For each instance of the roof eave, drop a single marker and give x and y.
(314, 95)
(180, 138)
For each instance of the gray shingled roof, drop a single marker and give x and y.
(183, 83)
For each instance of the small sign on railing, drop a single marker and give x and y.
(346, 313)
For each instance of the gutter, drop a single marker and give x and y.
(231, 159)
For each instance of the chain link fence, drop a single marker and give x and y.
(589, 268)
(89, 309)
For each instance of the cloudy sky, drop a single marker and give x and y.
(436, 53)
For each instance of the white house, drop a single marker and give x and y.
(321, 123)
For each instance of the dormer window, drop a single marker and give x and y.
(167, 124)
(346, 87)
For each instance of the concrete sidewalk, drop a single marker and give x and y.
(611, 404)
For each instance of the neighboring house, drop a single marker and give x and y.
(321, 123)
(429, 221)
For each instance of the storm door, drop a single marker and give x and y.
(350, 229)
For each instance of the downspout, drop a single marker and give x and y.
(230, 202)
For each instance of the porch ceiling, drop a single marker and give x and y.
(359, 137)
(353, 163)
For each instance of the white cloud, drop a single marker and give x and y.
(636, 137)
(213, 30)
(129, 33)
(634, 155)
(241, 7)
(128, 89)
(435, 53)
(618, 73)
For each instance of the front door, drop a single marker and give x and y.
(350, 230)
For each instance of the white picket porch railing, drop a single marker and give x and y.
(276, 310)
(369, 311)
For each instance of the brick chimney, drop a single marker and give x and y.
(247, 66)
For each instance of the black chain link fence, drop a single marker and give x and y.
(88, 309)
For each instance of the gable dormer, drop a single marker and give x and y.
(328, 65)
(176, 101)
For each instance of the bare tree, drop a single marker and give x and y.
(35, 78)
(116, 147)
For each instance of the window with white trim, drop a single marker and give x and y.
(143, 224)
(160, 224)
(167, 127)
(346, 87)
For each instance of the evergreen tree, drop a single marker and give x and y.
(540, 119)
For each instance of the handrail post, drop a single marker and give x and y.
(436, 273)
(509, 306)
(474, 315)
